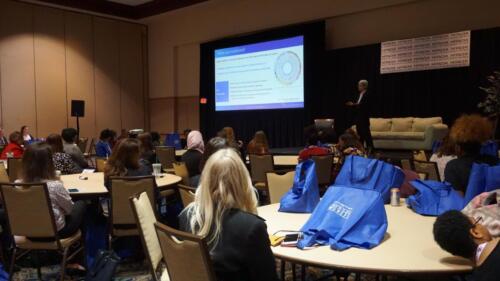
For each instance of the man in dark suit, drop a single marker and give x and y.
(361, 107)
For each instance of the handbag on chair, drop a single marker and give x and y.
(104, 267)
(304, 194)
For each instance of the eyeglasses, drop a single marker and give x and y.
(477, 221)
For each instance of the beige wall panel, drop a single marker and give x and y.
(17, 68)
(421, 18)
(80, 70)
(50, 71)
(162, 114)
(188, 70)
(107, 74)
(131, 76)
(188, 113)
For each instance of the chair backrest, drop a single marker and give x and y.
(28, 209)
(324, 164)
(122, 188)
(420, 155)
(186, 255)
(82, 144)
(100, 163)
(406, 164)
(259, 166)
(429, 168)
(4, 177)
(187, 194)
(15, 168)
(166, 156)
(278, 185)
(181, 170)
(145, 217)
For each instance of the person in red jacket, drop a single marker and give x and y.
(14, 146)
(312, 148)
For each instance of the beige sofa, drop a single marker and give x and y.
(407, 133)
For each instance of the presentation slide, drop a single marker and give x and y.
(266, 75)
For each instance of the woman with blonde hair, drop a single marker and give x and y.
(225, 211)
(468, 133)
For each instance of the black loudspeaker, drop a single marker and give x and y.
(77, 108)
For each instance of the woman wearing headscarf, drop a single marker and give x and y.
(193, 155)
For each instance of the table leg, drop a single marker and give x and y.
(283, 263)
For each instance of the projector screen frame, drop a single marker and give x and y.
(246, 122)
(268, 55)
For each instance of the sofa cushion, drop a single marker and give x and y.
(420, 124)
(398, 135)
(380, 124)
(402, 124)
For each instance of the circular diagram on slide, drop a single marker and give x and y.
(287, 67)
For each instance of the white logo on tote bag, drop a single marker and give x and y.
(340, 209)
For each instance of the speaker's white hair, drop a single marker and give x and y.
(363, 82)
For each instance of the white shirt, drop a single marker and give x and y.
(442, 162)
(361, 96)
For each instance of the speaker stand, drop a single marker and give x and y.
(78, 127)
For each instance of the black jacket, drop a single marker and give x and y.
(364, 108)
(457, 171)
(243, 252)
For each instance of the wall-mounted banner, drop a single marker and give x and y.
(423, 53)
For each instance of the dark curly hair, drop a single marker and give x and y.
(452, 233)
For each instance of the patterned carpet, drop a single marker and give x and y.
(140, 272)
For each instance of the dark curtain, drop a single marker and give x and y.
(443, 92)
(331, 79)
(284, 127)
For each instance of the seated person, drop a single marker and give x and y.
(103, 146)
(3, 139)
(312, 148)
(213, 145)
(39, 167)
(148, 154)
(62, 161)
(69, 136)
(487, 206)
(444, 154)
(230, 136)
(467, 237)
(14, 147)
(124, 162)
(192, 157)
(468, 133)
(156, 139)
(225, 211)
(348, 145)
(258, 145)
(27, 137)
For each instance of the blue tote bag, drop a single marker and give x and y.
(304, 194)
(490, 148)
(483, 178)
(346, 217)
(434, 198)
(370, 174)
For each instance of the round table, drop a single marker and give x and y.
(93, 185)
(408, 249)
